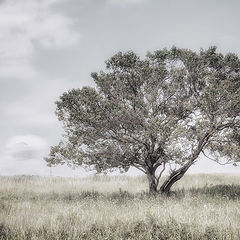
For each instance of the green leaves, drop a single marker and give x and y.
(123, 61)
(166, 108)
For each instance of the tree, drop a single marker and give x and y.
(153, 114)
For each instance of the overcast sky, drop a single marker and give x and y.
(50, 46)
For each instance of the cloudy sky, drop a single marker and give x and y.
(50, 46)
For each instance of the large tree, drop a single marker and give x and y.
(153, 114)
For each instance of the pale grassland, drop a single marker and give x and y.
(101, 207)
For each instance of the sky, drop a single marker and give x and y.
(50, 46)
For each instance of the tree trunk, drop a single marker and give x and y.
(152, 184)
(174, 177)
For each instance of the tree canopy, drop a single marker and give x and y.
(154, 113)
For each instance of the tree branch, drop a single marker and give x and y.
(139, 168)
(160, 174)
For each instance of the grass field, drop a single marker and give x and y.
(101, 207)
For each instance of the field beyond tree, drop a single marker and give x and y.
(200, 207)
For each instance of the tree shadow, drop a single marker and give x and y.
(231, 192)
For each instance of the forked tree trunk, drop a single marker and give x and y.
(168, 183)
(174, 177)
(178, 174)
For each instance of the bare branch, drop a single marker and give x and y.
(139, 168)
(160, 174)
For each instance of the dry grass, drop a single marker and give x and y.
(201, 207)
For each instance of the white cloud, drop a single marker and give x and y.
(24, 154)
(126, 2)
(26, 24)
(26, 147)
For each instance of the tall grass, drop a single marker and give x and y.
(102, 207)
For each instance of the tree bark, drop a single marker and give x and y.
(174, 177)
(152, 184)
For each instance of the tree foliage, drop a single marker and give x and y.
(164, 110)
